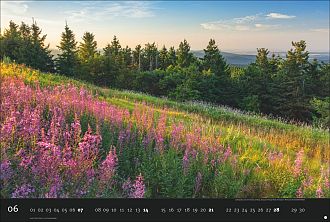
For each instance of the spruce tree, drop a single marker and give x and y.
(87, 48)
(67, 59)
(10, 42)
(172, 59)
(214, 61)
(163, 58)
(184, 56)
(292, 82)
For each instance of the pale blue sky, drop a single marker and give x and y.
(237, 26)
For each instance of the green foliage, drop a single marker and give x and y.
(25, 44)
(67, 60)
(87, 48)
(322, 108)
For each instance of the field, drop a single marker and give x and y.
(66, 138)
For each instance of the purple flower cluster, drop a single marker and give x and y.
(298, 163)
(138, 188)
(5, 170)
(108, 167)
(23, 191)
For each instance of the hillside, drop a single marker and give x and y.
(115, 143)
(245, 59)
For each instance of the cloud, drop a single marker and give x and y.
(265, 26)
(323, 30)
(246, 19)
(274, 15)
(14, 7)
(109, 10)
(246, 23)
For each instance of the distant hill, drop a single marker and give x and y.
(245, 59)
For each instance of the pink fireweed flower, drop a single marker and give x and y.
(66, 153)
(227, 153)
(160, 133)
(273, 156)
(298, 163)
(55, 188)
(198, 182)
(55, 129)
(23, 191)
(138, 188)
(327, 182)
(89, 146)
(67, 134)
(8, 127)
(48, 160)
(76, 127)
(176, 135)
(299, 193)
(108, 166)
(6, 171)
(319, 192)
(26, 159)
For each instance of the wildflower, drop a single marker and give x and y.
(176, 135)
(299, 193)
(160, 133)
(298, 163)
(227, 153)
(89, 146)
(54, 188)
(108, 166)
(23, 192)
(5, 170)
(138, 187)
(319, 192)
(76, 127)
(8, 127)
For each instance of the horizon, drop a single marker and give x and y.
(271, 24)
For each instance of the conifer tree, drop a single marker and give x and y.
(67, 59)
(88, 47)
(10, 42)
(214, 61)
(184, 56)
(163, 58)
(172, 59)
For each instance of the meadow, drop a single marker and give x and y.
(61, 137)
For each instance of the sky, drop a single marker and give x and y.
(236, 26)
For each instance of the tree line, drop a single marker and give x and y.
(293, 87)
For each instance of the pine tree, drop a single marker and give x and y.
(88, 47)
(292, 99)
(137, 56)
(33, 51)
(172, 59)
(163, 58)
(67, 59)
(151, 54)
(127, 56)
(23, 55)
(184, 56)
(214, 61)
(10, 42)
